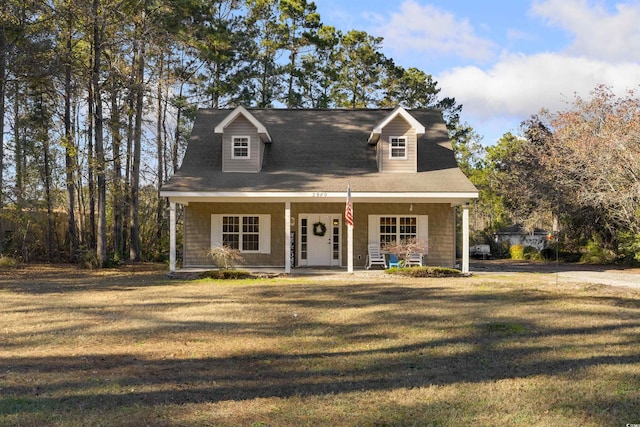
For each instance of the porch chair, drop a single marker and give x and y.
(413, 259)
(375, 257)
(394, 261)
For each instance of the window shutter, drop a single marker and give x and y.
(216, 231)
(374, 229)
(423, 228)
(265, 234)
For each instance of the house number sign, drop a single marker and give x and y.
(320, 194)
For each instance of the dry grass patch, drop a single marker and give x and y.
(130, 347)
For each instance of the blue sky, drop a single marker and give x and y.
(504, 60)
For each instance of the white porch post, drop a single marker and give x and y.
(287, 237)
(172, 236)
(465, 238)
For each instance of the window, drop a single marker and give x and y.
(240, 147)
(400, 228)
(241, 232)
(397, 147)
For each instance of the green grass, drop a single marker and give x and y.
(130, 347)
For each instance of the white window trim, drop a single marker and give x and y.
(233, 146)
(264, 232)
(406, 147)
(374, 226)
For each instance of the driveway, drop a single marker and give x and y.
(564, 272)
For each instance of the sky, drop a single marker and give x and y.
(504, 60)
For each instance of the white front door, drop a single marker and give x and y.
(319, 240)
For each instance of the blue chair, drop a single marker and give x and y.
(393, 261)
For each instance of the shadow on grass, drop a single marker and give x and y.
(57, 278)
(470, 342)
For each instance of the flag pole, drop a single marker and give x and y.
(348, 216)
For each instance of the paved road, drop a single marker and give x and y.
(603, 275)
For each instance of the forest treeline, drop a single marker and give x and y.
(98, 99)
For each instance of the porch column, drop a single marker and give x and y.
(287, 237)
(465, 238)
(172, 236)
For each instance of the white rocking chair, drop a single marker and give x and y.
(413, 259)
(375, 257)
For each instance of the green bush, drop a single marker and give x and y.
(226, 274)
(533, 254)
(8, 262)
(596, 253)
(424, 271)
(517, 252)
(88, 259)
(629, 247)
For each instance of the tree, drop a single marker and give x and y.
(410, 88)
(140, 57)
(66, 52)
(263, 85)
(360, 65)
(593, 161)
(580, 166)
(318, 75)
(299, 24)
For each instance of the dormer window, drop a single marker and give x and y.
(398, 147)
(240, 147)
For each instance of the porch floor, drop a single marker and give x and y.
(297, 271)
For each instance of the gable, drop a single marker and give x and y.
(241, 111)
(397, 112)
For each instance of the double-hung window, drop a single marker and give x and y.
(388, 229)
(241, 232)
(397, 147)
(398, 229)
(240, 147)
(246, 233)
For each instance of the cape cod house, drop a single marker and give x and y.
(273, 184)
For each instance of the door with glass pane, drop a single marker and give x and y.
(319, 240)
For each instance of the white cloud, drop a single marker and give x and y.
(424, 28)
(599, 34)
(519, 85)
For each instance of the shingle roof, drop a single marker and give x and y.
(318, 150)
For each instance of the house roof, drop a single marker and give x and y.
(318, 151)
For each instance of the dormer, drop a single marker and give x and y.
(396, 140)
(243, 141)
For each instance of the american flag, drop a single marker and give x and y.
(348, 211)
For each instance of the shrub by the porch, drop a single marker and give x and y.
(425, 271)
(225, 257)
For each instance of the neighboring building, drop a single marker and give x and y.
(517, 235)
(273, 183)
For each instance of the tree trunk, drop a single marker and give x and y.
(160, 155)
(18, 147)
(47, 188)
(134, 231)
(118, 201)
(70, 151)
(3, 86)
(101, 241)
(91, 167)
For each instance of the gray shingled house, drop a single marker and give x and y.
(273, 184)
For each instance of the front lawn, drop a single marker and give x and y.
(130, 347)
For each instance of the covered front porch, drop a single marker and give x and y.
(298, 231)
